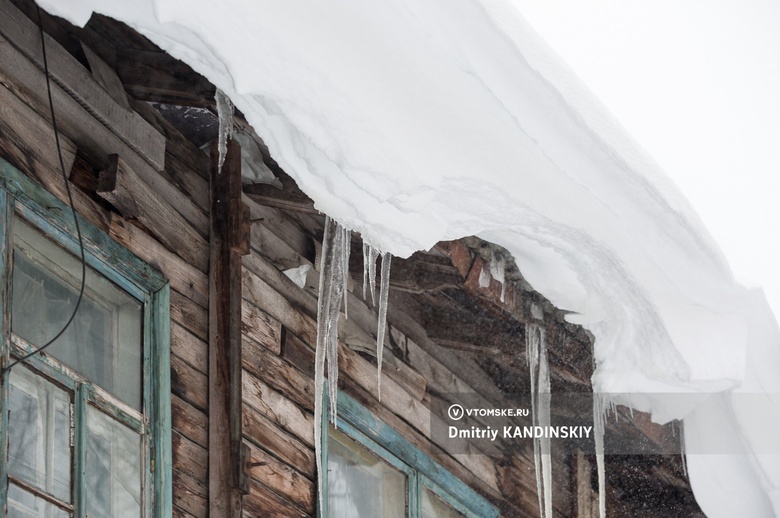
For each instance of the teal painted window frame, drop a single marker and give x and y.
(20, 196)
(359, 424)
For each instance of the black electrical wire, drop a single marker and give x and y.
(70, 203)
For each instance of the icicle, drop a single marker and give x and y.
(599, 418)
(498, 272)
(225, 114)
(540, 409)
(347, 244)
(373, 253)
(682, 449)
(365, 268)
(331, 285)
(384, 291)
(484, 277)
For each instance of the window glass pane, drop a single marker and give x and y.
(360, 483)
(22, 504)
(435, 507)
(113, 468)
(39, 433)
(104, 341)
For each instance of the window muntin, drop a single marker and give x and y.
(22, 504)
(435, 507)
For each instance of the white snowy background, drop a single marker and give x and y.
(417, 121)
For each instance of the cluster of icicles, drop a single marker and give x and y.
(536, 349)
(334, 274)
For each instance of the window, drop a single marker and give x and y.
(373, 471)
(86, 423)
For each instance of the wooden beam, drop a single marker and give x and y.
(228, 480)
(288, 197)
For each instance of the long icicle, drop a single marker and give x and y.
(540, 408)
(366, 253)
(599, 416)
(544, 422)
(373, 253)
(347, 244)
(384, 291)
(532, 352)
(331, 284)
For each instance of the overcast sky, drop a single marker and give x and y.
(697, 83)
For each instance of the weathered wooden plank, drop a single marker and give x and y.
(106, 77)
(260, 327)
(189, 315)
(260, 430)
(36, 129)
(189, 421)
(189, 458)
(275, 249)
(153, 75)
(27, 141)
(280, 477)
(189, 495)
(282, 226)
(125, 190)
(278, 373)
(69, 73)
(187, 180)
(227, 478)
(186, 279)
(299, 353)
(261, 501)
(582, 480)
(178, 512)
(189, 384)
(464, 369)
(289, 197)
(262, 295)
(278, 408)
(189, 348)
(25, 80)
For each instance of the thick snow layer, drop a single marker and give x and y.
(414, 122)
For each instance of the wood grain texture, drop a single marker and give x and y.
(79, 83)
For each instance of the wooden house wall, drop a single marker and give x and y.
(162, 194)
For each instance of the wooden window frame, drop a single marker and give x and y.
(21, 197)
(360, 425)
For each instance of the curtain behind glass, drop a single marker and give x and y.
(104, 341)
